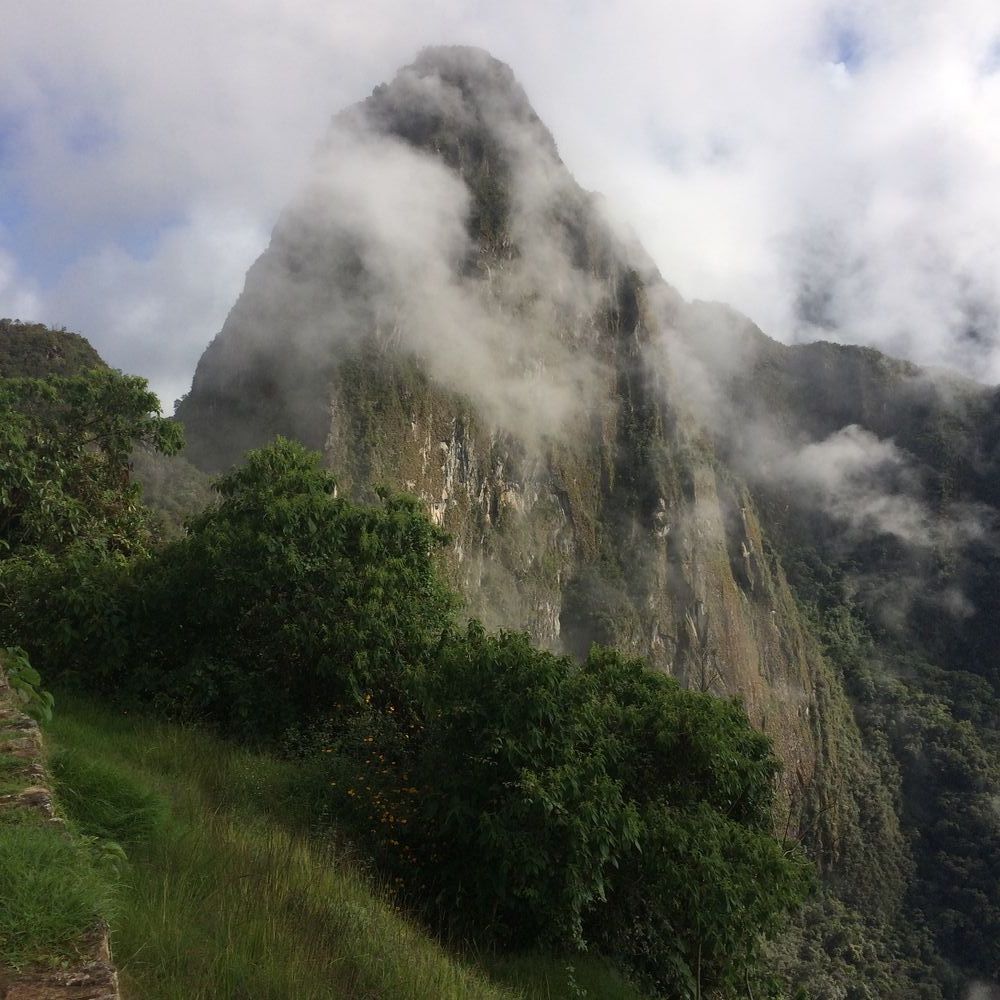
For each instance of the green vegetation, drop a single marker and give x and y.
(929, 733)
(575, 977)
(25, 681)
(54, 889)
(949, 774)
(281, 601)
(68, 513)
(513, 797)
(172, 487)
(533, 799)
(510, 797)
(64, 447)
(30, 350)
(225, 893)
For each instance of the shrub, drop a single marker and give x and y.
(282, 601)
(527, 798)
(70, 518)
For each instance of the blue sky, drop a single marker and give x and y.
(771, 155)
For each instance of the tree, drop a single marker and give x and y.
(69, 515)
(65, 444)
(527, 798)
(284, 600)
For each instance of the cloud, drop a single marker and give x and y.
(983, 991)
(148, 314)
(829, 168)
(378, 242)
(866, 499)
(859, 479)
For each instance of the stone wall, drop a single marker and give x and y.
(95, 977)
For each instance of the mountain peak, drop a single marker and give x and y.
(451, 90)
(464, 66)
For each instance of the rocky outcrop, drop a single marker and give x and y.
(544, 433)
(443, 310)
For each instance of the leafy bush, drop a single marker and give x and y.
(70, 519)
(515, 796)
(64, 461)
(26, 683)
(520, 817)
(524, 798)
(282, 601)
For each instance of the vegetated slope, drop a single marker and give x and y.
(878, 482)
(218, 900)
(171, 486)
(31, 350)
(445, 310)
(289, 613)
(924, 456)
(57, 890)
(473, 332)
(227, 894)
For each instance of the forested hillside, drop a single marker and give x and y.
(517, 802)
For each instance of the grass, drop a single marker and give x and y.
(228, 893)
(107, 801)
(221, 899)
(54, 888)
(545, 977)
(11, 772)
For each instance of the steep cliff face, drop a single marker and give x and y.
(877, 484)
(445, 311)
(584, 502)
(916, 453)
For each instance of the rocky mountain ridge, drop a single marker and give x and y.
(445, 311)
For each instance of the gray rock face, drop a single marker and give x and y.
(446, 311)
(443, 310)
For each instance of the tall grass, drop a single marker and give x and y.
(222, 901)
(229, 894)
(551, 977)
(53, 890)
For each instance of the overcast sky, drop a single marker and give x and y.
(831, 169)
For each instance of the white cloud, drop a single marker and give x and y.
(17, 294)
(154, 315)
(824, 188)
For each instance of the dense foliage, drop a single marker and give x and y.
(70, 519)
(931, 729)
(282, 601)
(64, 462)
(521, 797)
(514, 795)
(950, 779)
(172, 487)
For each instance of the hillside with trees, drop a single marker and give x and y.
(511, 797)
